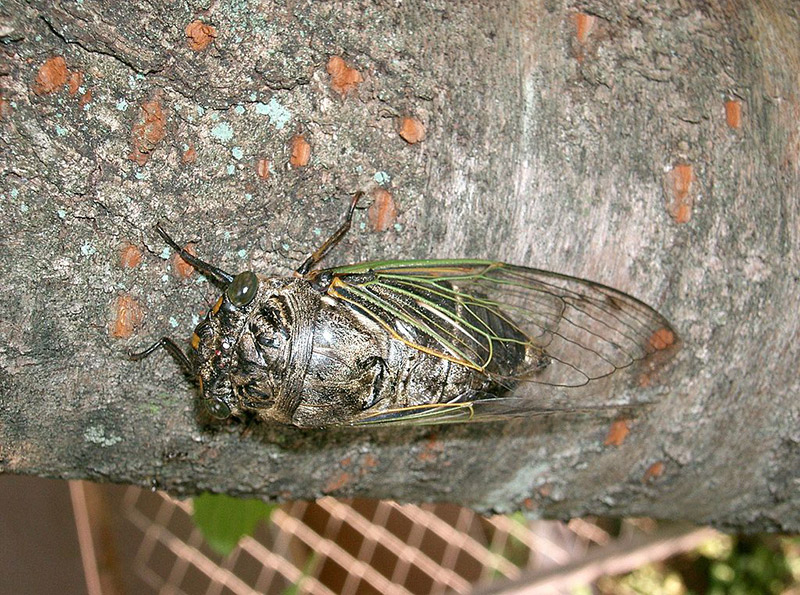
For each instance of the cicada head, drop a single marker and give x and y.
(242, 346)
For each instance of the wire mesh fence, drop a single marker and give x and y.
(359, 547)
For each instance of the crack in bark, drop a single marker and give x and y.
(92, 50)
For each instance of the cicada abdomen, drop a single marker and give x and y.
(407, 341)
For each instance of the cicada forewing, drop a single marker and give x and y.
(480, 314)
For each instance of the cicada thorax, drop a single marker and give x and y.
(290, 355)
(252, 354)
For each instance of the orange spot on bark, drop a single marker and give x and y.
(130, 256)
(528, 504)
(617, 433)
(683, 179)
(128, 315)
(344, 78)
(426, 456)
(654, 471)
(382, 212)
(85, 98)
(301, 152)
(200, 35)
(411, 130)
(683, 214)
(189, 155)
(338, 482)
(431, 451)
(370, 462)
(74, 82)
(52, 75)
(678, 186)
(662, 338)
(262, 169)
(584, 24)
(181, 268)
(148, 131)
(733, 113)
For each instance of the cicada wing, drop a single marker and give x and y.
(477, 313)
(491, 407)
(433, 413)
(589, 330)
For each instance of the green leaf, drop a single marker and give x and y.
(224, 520)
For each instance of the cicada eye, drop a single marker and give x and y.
(217, 408)
(243, 289)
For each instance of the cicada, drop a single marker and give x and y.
(423, 341)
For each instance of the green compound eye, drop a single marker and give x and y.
(217, 408)
(243, 289)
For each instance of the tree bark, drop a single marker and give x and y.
(651, 148)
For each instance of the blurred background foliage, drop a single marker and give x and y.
(724, 565)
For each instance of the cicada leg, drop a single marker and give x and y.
(331, 242)
(216, 275)
(173, 349)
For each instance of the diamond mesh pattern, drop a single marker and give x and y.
(331, 547)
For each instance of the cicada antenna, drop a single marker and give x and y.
(173, 349)
(214, 274)
(331, 242)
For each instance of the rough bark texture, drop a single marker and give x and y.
(654, 149)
